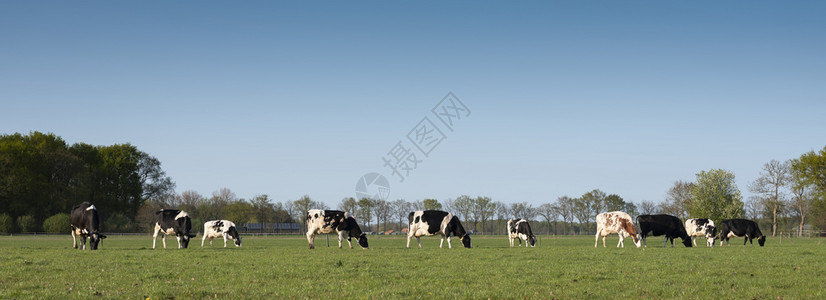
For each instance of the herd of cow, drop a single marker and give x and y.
(85, 223)
(620, 223)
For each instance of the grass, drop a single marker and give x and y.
(282, 267)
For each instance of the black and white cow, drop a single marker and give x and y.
(173, 221)
(329, 221)
(84, 219)
(520, 229)
(667, 225)
(741, 227)
(220, 229)
(433, 222)
(701, 227)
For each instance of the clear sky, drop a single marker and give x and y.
(295, 98)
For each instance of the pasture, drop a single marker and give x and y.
(127, 267)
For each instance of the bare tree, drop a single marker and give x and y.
(349, 205)
(483, 209)
(401, 209)
(677, 199)
(566, 211)
(383, 211)
(775, 175)
(549, 212)
(647, 207)
(463, 207)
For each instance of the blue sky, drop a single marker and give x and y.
(288, 99)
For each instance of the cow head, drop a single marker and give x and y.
(532, 240)
(94, 239)
(362, 240)
(238, 242)
(185, 239)
(687, 241)
(637, 240)
(761, 240)
(466, 241)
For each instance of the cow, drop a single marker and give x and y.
(221, 229)
(173, 221)
(329, 221)
(701, 227)
(616, 222)
(520, 229)
(433, 222)
(741, 227)
(667, 225)
(85, 223)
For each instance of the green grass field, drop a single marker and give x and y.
(282, 267)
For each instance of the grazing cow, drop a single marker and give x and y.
(667, 225)
(741, 227)
(173, 221)
(616, 222)
(701, 227)
(85, 223)
(218, 229)
(329, 221)
(519, 229)
(433, 222)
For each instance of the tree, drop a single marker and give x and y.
(366, 210)
(26, 223)
(566, 211)
(716, 196)
(302, 206)
(383, 211)
(482, 210)
(775, 176)
(501, 211)
(801, 201)
(263, 211)
(522, 210)
(57, 223)
(431, 204)
(463, 207)
(348, 204)
(810, 172)
(614, 202)
(6, 223)
(647, 207)
(549, 212)
(677, 199)
(401, 209)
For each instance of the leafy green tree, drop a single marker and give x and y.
(809, 172)
(58, 223)
(6, 224)
(614, 202)
(716, 196)
(26, 223)
(462, 207)
(432, 204)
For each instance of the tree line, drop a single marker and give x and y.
(42, 177)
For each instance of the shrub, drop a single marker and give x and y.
(6, 223)
(58, 223)
(118, 223)
(26, 224)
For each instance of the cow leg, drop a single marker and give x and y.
(665, 242)
(419, 241)
(310, 238)
(596, 240)
(225, 240)
(510, 239)
(620, 244)
(408, 241)
(178, 238)
(74, 241)
(442, 242)
(155, 236)
(204, 239)
(82, 242)
(747, 238)
(694, 240)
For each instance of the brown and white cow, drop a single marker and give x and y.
(616, 222)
